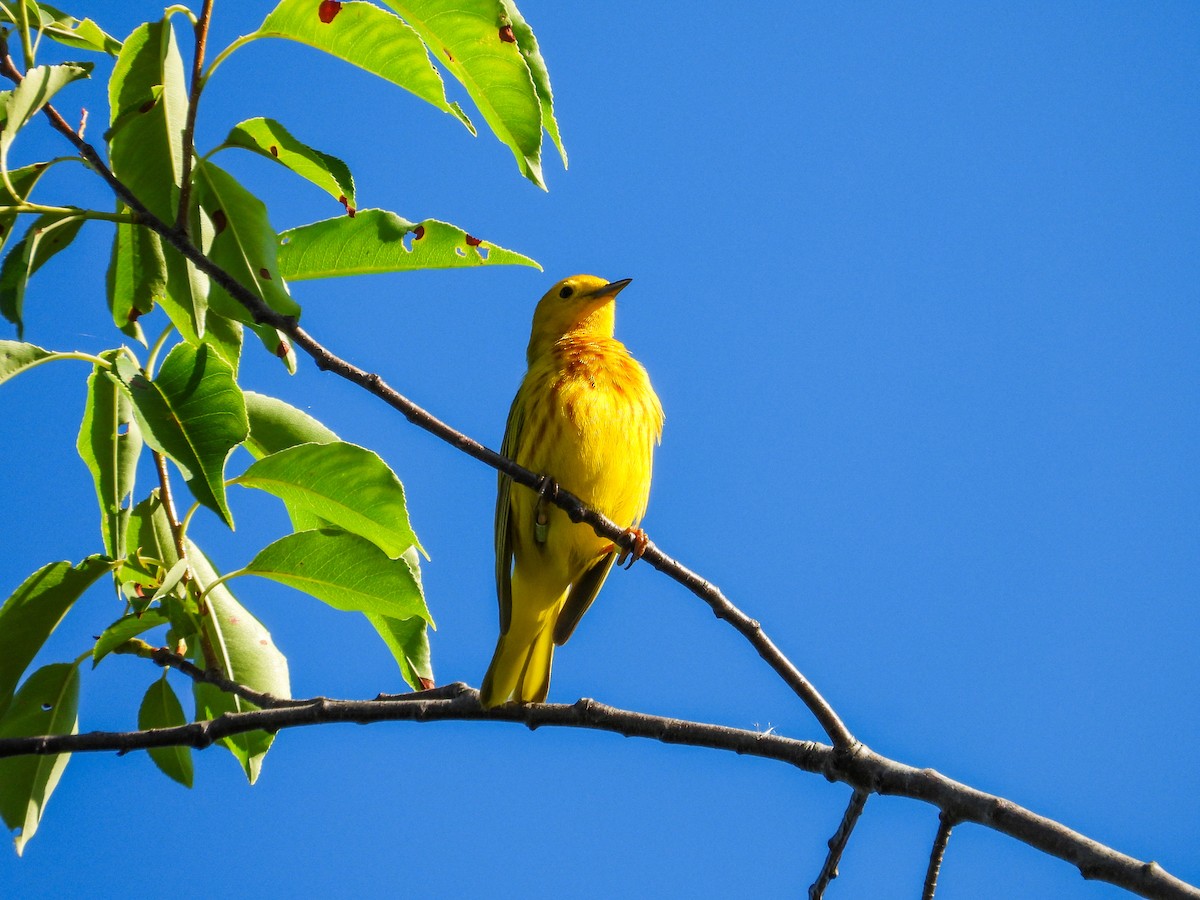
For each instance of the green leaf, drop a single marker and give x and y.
(148, 98)
(344, 484)
(161, 709)
(150, 531)
(368, 37)
(126, 627)
(83, 34)
(48, 703)
(274, 424)
(36, 89)
(49, 234)
(269, 139)
(194, 413)
(16, 357)
(408, 639)
(109, 444)
(467, 38)
(246, 654)
(23, 181)
(376, 240)
(528, 46)
(244, 244)
(31, 614)
(344, 570)
(136, 277)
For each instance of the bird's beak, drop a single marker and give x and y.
(611, 289)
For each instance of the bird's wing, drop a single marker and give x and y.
(580, 596)
(504, 543)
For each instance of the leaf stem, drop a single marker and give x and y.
(152, 360)
(228, 51)
(189, 126)
(73, 212)
(26, 44)
(228, 576)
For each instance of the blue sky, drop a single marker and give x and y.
(917, 287)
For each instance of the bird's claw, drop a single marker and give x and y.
(640, 541)
(547, 488)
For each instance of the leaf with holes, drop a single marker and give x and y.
(470, 40)
(238, 237)
(109, 444)
(30, 615)
(48, 703)
(269, 139)
(528, 46)
(368, 37)
(246, 654)
(344, 570)
(343, 484)
(376, 241)
(48, 234)
(17, 356)
(194, 413)
(161, 709)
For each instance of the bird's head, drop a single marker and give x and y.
(580, 305)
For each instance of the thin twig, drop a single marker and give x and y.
(945, 825)
(865, 770)
(189, 125)
(168, 503)
(575, 508)
(837, 844)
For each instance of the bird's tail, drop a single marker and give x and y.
(520, 668)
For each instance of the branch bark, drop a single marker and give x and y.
(864, 770)
(837, 844)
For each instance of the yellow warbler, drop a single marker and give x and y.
(585, 416)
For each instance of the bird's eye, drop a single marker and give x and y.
(566, 292)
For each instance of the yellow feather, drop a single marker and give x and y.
(586, 416)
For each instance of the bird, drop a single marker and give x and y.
(587, 419)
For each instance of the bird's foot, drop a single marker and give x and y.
(547, 488)
(640, 542)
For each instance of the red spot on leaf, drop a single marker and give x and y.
(350, 210)
(419, 232)
(264, 274)
(147, 106)
(473, 241)
(137, 589)
(264, 642)
(219, 220)
(449, 55)
(233, 620)
(282, 350)
(426, 683)
(274, 151)
(133, 314)
(3, 231)
(506, 34)
(328, 9)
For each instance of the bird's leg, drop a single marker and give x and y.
(640, 542)
(547, 490)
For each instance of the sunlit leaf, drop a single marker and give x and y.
(109, 444)
(126, 627)
(161, 709)
(148, 100)
(194, 413)
(344, 484)
(376, 241)
(528, 45)
(246, 654)
(23, 181)
(36, 89)
(269, 139)
(48, 234)
(244, 244)
(33, 611)
(344, 570)
(16, 357)
(136, 277)
(83, 34)
(48, 703)
(275, 425)
(368, 37)
(470, 41)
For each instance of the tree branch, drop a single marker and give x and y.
(575, 508)
(864, 770)
(837, 844)
(936, 854)
(189, 125)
